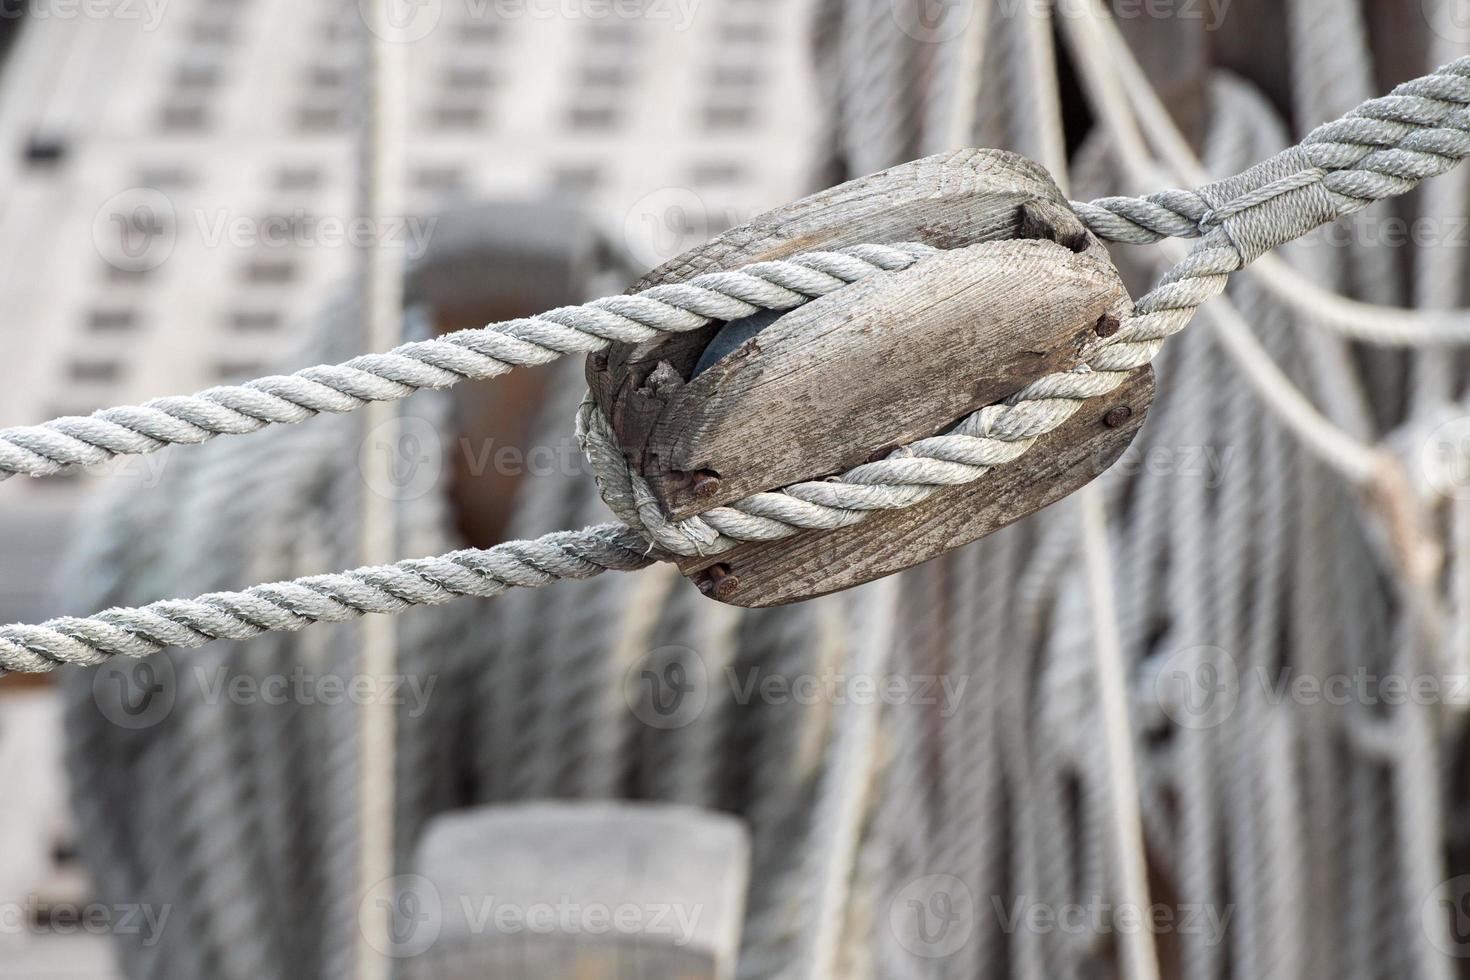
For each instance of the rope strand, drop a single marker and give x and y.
(487, 352)
(1381, 149)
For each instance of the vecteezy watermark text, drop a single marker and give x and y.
(37, 917)
(408, 457)
(301, 686)
(1099, 917)
(303, 229)
(403, 916)
(1200, 687)
(148, 12)
(940, 21)
(139, 694)
(670, 686)
(407, 21)
(837, 688)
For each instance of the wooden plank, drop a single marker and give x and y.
(597, 889)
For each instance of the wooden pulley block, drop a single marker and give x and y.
(1023, 291)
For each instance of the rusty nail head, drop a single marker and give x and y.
(705, 483)
(1117, 416)
(718, 582)
(1107, 325)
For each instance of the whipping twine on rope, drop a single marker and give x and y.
(1383, 148)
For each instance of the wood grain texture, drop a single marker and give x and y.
(884, 362)
(828, 386)
(1059, 463)
(949, 201)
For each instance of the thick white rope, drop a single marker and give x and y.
(1356, 460)
(1382, 149)
(468, 355)
(335, 598)
(1366, 322)
(1351, 924)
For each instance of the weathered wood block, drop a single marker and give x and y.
(1023, 291)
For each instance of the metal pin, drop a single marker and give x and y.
(1117, 416)
(718, 582)
(705, 484)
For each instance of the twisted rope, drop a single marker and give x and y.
(487, 352)
(1382, 149)
(291, 606)
(990, 437)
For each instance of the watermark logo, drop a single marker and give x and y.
(38, 917)
(933, 916)
(1198, 687)
(138, 694)
(135, 694)
(563, 457)
(402, 916)
(486, 914)
(401, 21)
(300, 686)
(147, 12)
(302, 229)
(1445, 458)
(1373, 230)
(1209, 13)
(402, 458)
(1363, 687)
(135, 230)
(941, 21)
(668, 222)
(679, 14)
(1450, 19)
(1445, 916)
(1206, 464)
(932, 21)
(667, 688)
(1099, 917)
(941, 692)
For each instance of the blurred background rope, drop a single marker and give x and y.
(1297, 839)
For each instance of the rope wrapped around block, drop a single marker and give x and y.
(1382, 149)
